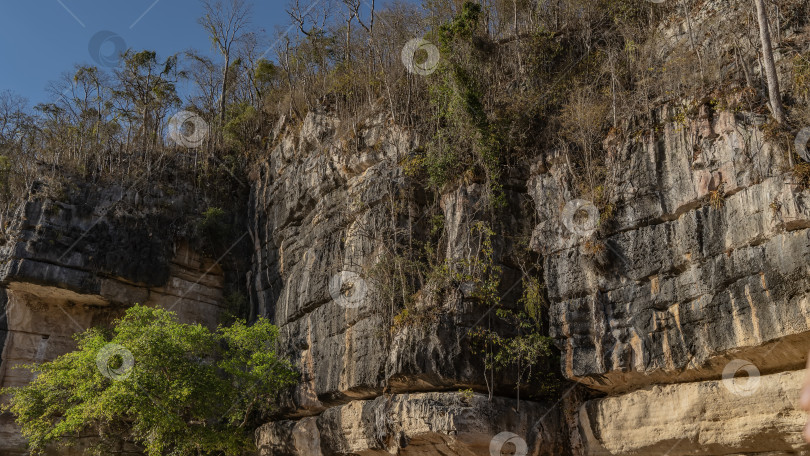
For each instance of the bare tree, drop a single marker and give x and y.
(226, 25)
(310, 19)
(770, 67)
(354, 7)
(12, 108)
(349, 16)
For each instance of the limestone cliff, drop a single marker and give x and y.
(703, 265)
(686, 284)
(703, 262)
(368, 388)
(690, 271)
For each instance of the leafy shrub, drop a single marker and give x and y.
(189, 390)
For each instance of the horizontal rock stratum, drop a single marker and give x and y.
(753, 415)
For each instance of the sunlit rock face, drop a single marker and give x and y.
(684, 308)
(417, 424)
(369, 387)
(705, 261)
(704, 264)
(74, 261)
(704, 418)
(688, 283)
(703, 274)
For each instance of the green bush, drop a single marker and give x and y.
(170, 388)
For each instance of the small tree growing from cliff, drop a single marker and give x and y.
(164, 386)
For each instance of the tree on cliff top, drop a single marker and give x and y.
(152, 382)
(225, 24)
(770, 68)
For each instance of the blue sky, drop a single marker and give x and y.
(40, 39)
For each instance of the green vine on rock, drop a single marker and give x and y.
(527, 347)
(465, 142)
(525, 351)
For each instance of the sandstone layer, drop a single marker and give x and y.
(753, 415)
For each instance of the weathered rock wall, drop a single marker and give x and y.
(77, 259)
(320, 223)
(704, 262)
(700, 418)
(683, 304)
(415, 424)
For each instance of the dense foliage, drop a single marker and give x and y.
(169, 388)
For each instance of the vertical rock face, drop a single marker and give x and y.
(699, 272)
(703, 418)
(416, 424)
(704, 271)
(74, 261)
(688, 279)
(321, 216)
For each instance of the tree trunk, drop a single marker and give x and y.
(770, 67)
(686, 11)
(225, 74)
(744, 66)
(144, 120)
(349, 39)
